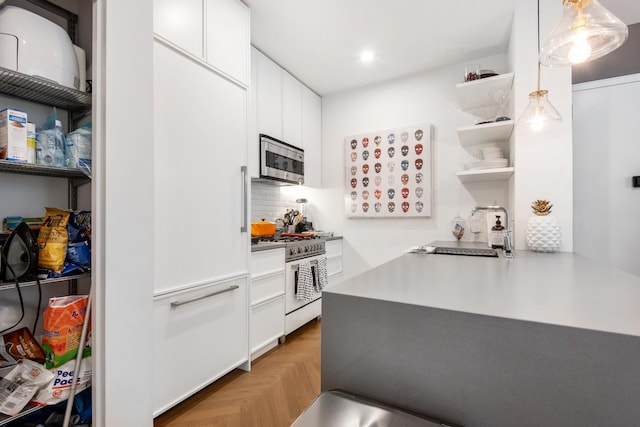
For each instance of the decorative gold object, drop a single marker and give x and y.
(541, 207)
(543, 231)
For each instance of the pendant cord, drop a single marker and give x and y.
(538, 51)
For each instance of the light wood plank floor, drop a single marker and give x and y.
(279, 387)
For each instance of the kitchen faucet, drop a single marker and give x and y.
(508, 252)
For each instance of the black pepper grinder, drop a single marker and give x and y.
(497, 234)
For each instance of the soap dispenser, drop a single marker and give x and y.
(497, 234)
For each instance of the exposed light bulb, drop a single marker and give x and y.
(537, 123)
(581, 49)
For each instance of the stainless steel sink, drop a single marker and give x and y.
(466, 251)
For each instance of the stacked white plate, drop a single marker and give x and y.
(489, 164)
(492, 153)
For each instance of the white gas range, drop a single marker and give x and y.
(299, 252)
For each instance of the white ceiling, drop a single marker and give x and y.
(319, 41)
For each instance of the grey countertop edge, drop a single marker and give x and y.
(562, 288)
(333, 238)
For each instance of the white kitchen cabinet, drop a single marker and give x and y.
(201, 254)
(333, 250)
(291, 110)
(181, 23)
(214, 31)
(228, 38)
(268, 96)
(312, 137)
(199, 335)
(200, 146)
(267, 300)
(286, 109)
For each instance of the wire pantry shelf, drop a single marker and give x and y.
(43, 91)
(42, 170)
(12, 285)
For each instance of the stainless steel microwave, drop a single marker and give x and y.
(280, 161)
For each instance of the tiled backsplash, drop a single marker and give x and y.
(268, 202)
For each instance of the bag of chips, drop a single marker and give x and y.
(53, 239)
(17, 345)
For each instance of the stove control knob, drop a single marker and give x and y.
(292, 252)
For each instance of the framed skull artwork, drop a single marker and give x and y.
(396, 172)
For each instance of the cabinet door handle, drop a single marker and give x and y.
(243, 200)
(179, 303)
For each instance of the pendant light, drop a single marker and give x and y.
(586, 31)
(539, 114)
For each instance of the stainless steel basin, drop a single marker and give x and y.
(466, 251)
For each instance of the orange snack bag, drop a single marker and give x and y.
(63, 319)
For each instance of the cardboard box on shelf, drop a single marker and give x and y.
(13, 135)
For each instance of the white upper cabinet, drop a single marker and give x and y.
(284, 108)
(216, 32)
(268, 96)
(228, 38)
(312, 137)
(291, 110)
(181, 23)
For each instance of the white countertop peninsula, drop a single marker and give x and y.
(543, 339)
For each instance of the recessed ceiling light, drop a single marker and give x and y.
(366, 56)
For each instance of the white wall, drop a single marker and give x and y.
(542, 161)
(426, 97)
(606, 153)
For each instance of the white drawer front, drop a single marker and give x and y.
(333, 247)
(334, 265)
(266, 287)
(263, 262)
(267, 323)
(199, 335)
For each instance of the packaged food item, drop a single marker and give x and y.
(53, 239)
(79, 226)
(30, 372)
(21, 384)
(50, 142)
(63, 319)
(59, 388)
(13, 135)
(78, 151)
(19, 344)
(31, 143)
(14, 396)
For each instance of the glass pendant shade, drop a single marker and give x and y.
(585, 32)
(539, 114)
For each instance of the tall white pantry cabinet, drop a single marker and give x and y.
(200, 311)
(169, 142)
